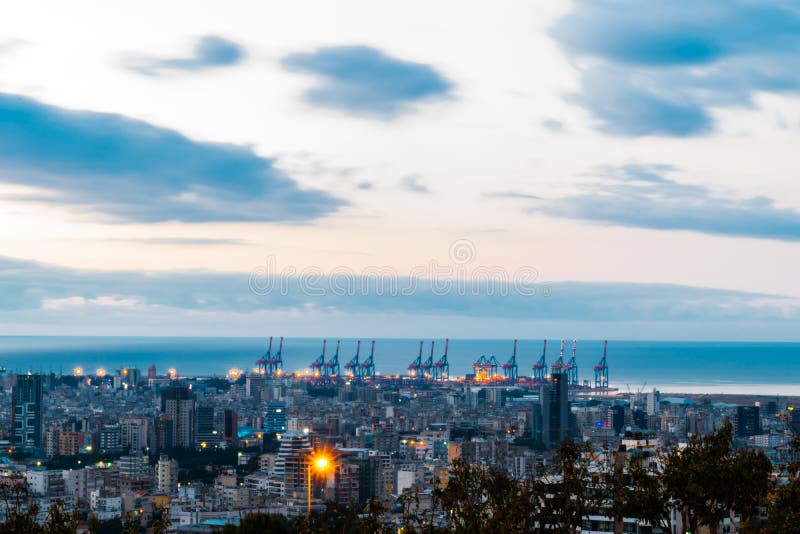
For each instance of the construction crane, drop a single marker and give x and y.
(427, 365)
(540, 367)
(332, 365)
(441, 369)
(510, 368)
(352, 367)
(601, 370)
(319, 364)
(367, 367)
(414, 367)
(558, 366)
(571, 366)
(275, 361)
(261, 363)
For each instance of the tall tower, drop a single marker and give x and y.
(26, 411)
(178, 403)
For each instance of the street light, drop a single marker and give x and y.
(319, 462)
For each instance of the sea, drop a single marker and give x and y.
(670, 366)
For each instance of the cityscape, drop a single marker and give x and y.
(414, 267)
(150, 449)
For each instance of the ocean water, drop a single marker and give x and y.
(711, 367)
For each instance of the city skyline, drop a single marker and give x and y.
(635, 163)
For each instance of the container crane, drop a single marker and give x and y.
(558, 366)
(601, 370)
(572, 365)
(261, 363)
(332, 365)
(367, 367)
(427, 365)
(352, 367)
(479, 367)
(414, 367)
(441, 369)
(318, 364)
(540, 367)
(275, 361)
(510, 369)
(492, 364)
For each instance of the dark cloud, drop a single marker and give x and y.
(658, 68)
(129, 170)
(209, 52)
(29, 286)
(361, 80)
(644, 197)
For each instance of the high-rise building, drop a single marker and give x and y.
(230, 427)
(206, 434)
(554, 398)
(652, 401)
(133, 433)
(26, 411)
(167, 475)
(748, 421)
(254, 384)
(179, 403)
(275, 418)
(291, 466)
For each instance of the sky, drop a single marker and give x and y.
(602, 169)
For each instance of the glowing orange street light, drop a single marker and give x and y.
(320, 463)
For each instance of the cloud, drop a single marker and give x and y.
(552, 125)
(129, 170)
(659, 68)
(413, 184)
(364, 81)
(29, 286)
(644, 197)
(209, 52)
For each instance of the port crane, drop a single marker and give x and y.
(261, 363)
(601, 370)
(318, 364)
(558, 366)
(571, 366)
(367, 367)
(414, 367)
(540, 367)
(275, 361)
(332, 366)
(427, 365)
(352, 368)
(441, 369)
(510, 369)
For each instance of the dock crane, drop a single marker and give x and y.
(414, 367)
(493, 365)
(318, 364)
(572, 366)
(558, 366)
(275, 362)
(480, 368)
(540, 367)
(601, 370)
(332, 365)
(441, 369)
(352, 367)
(261, 363)
(510, 369)
(427, 365)
(367, 367)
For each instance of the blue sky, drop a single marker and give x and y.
(634, 163)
